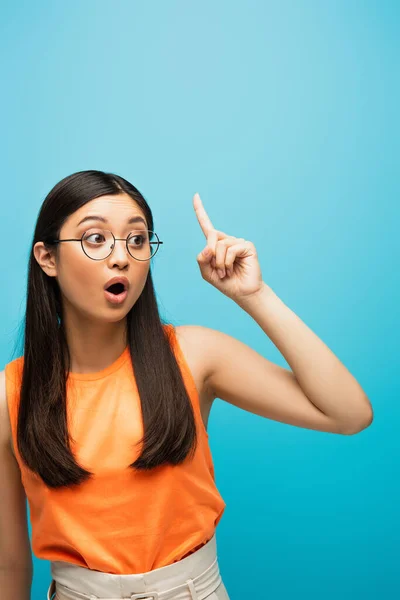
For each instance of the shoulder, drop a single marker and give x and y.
(196, 343)
(202, 342)
(193, 340)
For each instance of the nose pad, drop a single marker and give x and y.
(124, 250)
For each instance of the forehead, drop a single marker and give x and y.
(116, 210)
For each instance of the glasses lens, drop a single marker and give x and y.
(142, 244)
(98, 243)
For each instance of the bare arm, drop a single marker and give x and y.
(16, 566)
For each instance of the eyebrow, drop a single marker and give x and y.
(136, 219)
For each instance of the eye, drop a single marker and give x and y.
(137, 239)
(95, 237)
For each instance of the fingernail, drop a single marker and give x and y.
(221, 273)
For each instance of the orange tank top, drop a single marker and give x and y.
(122, 521)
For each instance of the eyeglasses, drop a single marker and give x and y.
(98, 244)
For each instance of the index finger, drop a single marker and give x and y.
(202, 216)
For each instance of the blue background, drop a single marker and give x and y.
(284, 117)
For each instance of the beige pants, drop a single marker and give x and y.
(196, 577)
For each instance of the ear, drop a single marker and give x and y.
(45, 258)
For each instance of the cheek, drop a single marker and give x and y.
(138, 277)
(79, 280)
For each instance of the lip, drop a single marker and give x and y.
(123, 280)
(116, 299)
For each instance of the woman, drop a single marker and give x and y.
(105, 414)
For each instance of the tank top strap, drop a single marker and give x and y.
(13, 376)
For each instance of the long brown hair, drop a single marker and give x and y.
(42, 433)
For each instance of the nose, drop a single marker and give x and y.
(119, 252)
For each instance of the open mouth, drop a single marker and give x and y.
(116, 288)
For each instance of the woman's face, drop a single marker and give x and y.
(81, 279)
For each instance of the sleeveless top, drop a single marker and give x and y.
(122, 521)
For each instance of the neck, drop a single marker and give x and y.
(93, 346)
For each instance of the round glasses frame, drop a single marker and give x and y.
(158, 242)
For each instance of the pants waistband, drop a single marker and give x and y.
(193, 578)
